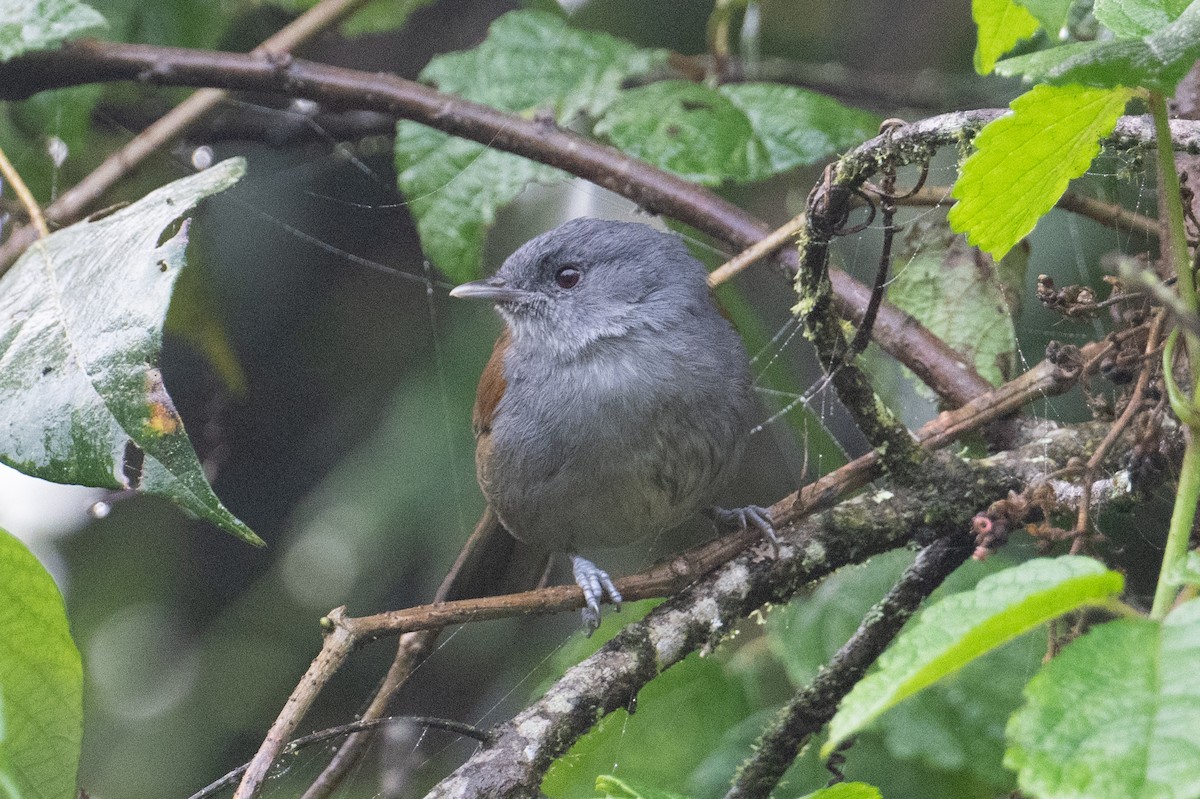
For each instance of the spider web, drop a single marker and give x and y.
(302, 202)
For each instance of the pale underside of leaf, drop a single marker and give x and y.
(81, 398)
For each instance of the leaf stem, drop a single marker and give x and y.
(1174, 248)
(1182, 518)
(1173, 235)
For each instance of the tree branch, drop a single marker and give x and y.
(703, 614)
(71, 204)
(419, 626)
(89, 61)
(813, 706)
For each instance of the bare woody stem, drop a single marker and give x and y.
(73, 203)
(708, 610)
(950, 375)
(812, 707)
(1043, 380)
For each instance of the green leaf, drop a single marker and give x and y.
(1051, 14)
(846, 790)
(42, 24)
(954, 631)
(698, 700)
(80, 397)
(956, 725)
(1136, 18)
(795, 127)
(1001, 24)
(1155, 61)
(454, 188)
(612, 787)
(1116, 715)
(742, 132)
(1025, 160)
(951, 733)
(41, 681)
(683, 127)
(530, 63)
(959, 293)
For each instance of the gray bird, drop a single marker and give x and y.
(616, 402)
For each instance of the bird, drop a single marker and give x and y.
(616, 402)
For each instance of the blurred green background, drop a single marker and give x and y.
(348, 448)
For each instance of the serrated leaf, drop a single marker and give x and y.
(959, 293)
(1024, 161)
(1136, 18)
(956, 725)
(954, 729)
(952, 632)
(846, 790)
(794, 127)
(741, 132)
(531, 62)
(454, 188)
(1000, 25)
(683, 127)
(1155, 61)
(1116, 715)
(42, 24)
(41, 681)
(80, 396)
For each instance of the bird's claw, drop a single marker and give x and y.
(595, 584)
(747, 518)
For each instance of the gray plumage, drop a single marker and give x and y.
(628, 396)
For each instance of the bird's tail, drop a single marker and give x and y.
(492, 562)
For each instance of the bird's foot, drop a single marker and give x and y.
(751, 517)
(595, 583)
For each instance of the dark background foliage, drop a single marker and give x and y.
(348, 449)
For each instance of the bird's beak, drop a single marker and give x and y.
(493, 288)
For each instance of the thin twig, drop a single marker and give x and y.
(950, 375)
(412, 649)
(1108, 214)
(814, 705)
(30, 205)
(1118, 427)
(334, 650)
(352, 728)
(757, 251)
(887, 207)
(1045, 379)
(72, 204)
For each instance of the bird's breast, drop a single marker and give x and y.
(609, 450)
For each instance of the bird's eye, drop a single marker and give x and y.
(567, 277)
